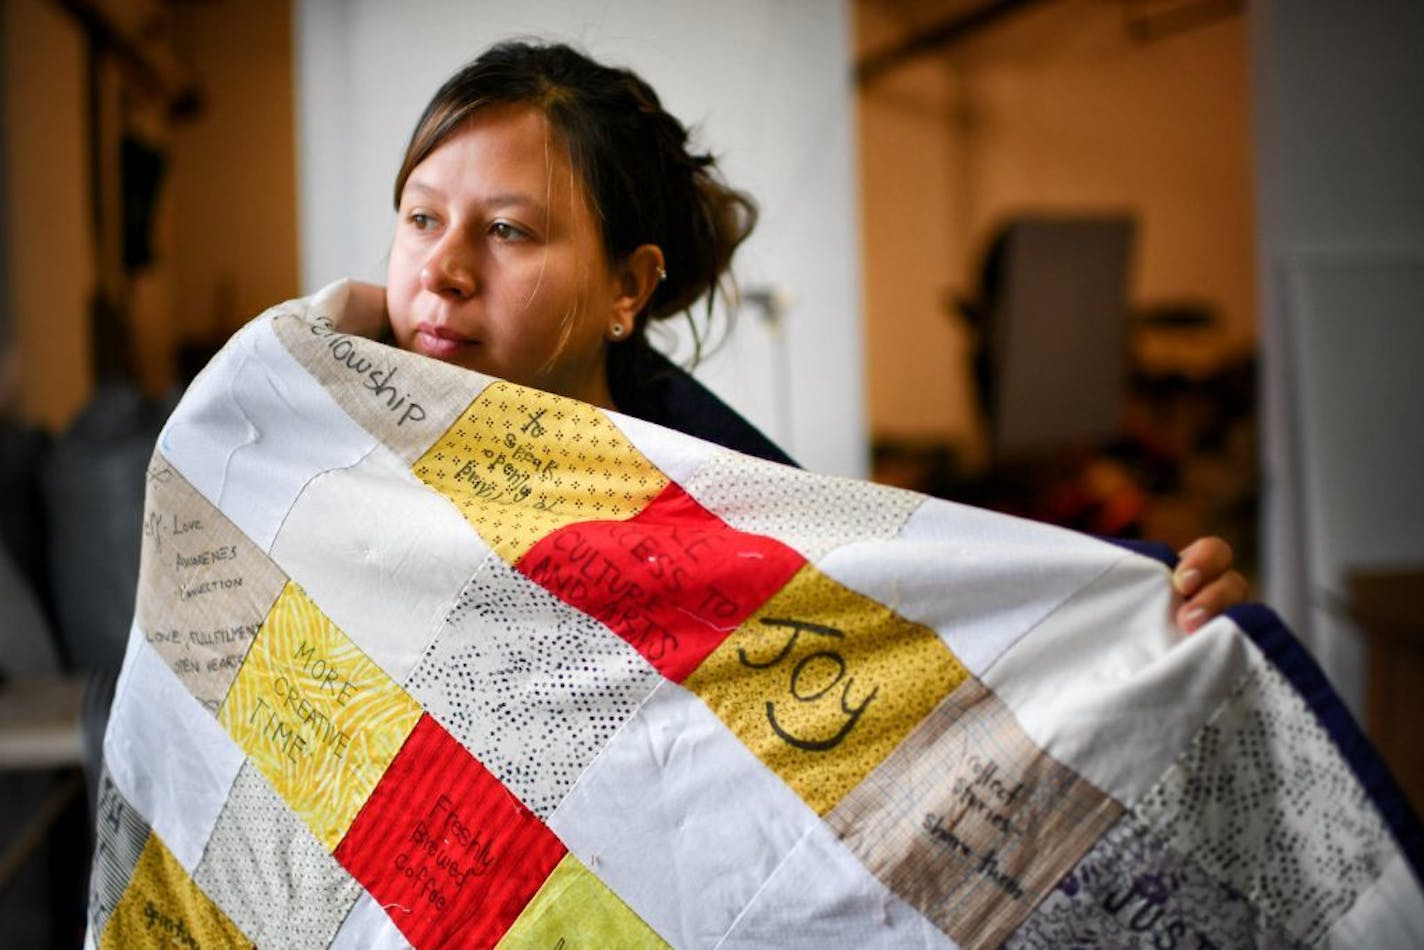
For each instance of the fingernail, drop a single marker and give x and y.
(1186, 580)
(1193, 618)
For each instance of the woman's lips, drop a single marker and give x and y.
(440, 342)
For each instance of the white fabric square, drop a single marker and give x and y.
(167, 755)
(680, 820)
(531, 686)
(355, 540)
(1109, 686)
(981, 580)
(1389, 916)
(254, 428)
(812, 513)
(822, 896)
(368, 927)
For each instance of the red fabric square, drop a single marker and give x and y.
(674, 580)
(450, 854)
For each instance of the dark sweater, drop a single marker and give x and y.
(646, 385)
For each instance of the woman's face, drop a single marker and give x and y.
(498, 264)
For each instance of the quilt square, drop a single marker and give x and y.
(680, 820)
(980, 579)
(575, 908)
(265, 429)
(673, 580)
(812, 513)
(203, 586)
(1262, 800)
(367, 927)
(444, 847)
(532, 687)
(520, 463)
(822, 896)
(271, 876)
(366, 571)
(316, 716)
(163, 907)
(167, 756)
(1109, 686)
(822, 683)
(969, 821)
(1389, 914)
(120, 835)
(1131, 889)
(405, 401)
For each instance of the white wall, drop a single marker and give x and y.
(1339, 152)
(768, 86)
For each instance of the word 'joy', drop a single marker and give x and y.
(814, 667)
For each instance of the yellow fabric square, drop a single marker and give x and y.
(316, 716)
(521, 463)
(575, 909)
(823, 683)
(162, 907)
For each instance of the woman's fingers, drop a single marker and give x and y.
(1207, 583)
(1200, 563)
(1226, 591)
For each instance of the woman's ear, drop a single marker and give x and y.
(638, 276)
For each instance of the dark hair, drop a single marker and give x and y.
(645, 187)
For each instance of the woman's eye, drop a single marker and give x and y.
(421, 220)
(505, 231)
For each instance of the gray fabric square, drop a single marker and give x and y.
(531, 686)
(269, 873)
(1131, 890)
(814, 514)
(1263, 801)
(120, 834)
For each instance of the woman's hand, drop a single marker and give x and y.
(1206, 582)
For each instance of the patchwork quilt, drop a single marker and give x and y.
(422, 658)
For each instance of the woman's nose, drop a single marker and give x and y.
(450, 268)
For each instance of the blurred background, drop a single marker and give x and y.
(1145, 268)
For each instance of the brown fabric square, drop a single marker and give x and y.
(969, 821)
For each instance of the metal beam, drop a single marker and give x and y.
(938, 36)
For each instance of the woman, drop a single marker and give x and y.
(549, 209)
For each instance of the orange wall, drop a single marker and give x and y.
(226, 236)
(49, 269)
(1054, 110)
(913, 243)
(233, 186)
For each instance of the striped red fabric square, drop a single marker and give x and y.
(444, 846)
